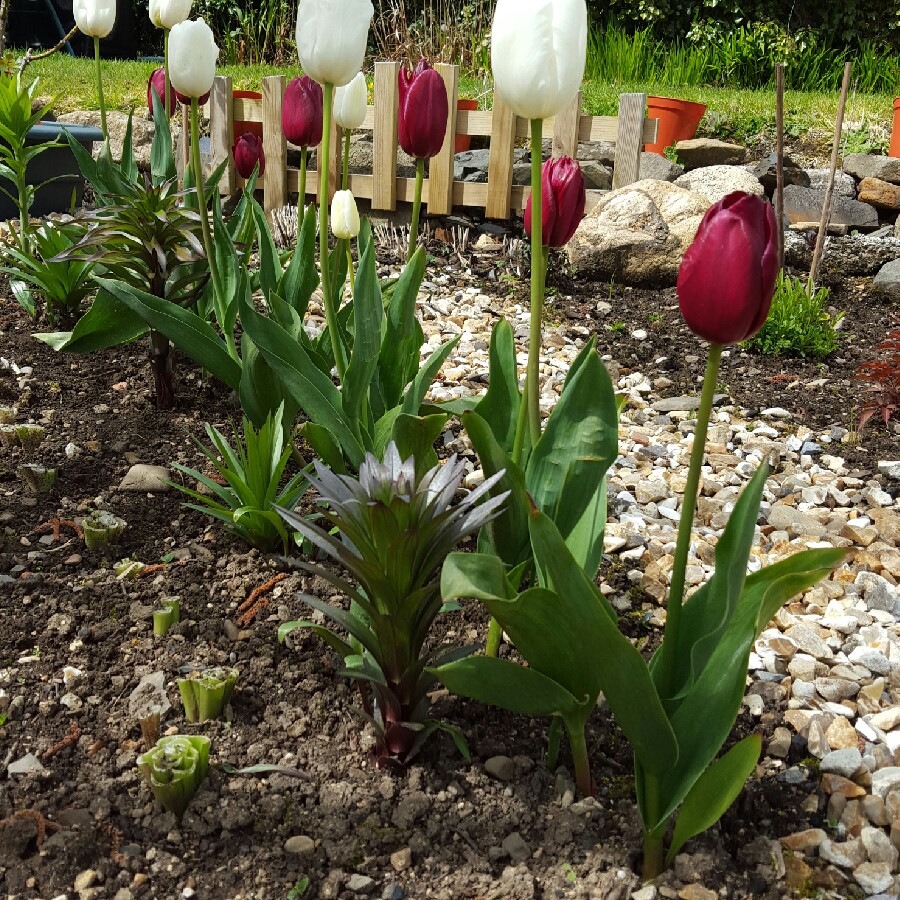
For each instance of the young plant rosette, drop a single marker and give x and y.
(174, 769)
(394, 531)
(678, 711)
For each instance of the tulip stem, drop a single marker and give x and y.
(324, 153)
(350, 271)
(100, 88)
(417, 205)
(494, 636)
(685, 523)
(301, 195)
(345, 180)
(168, 100)
(532, 378)
(208, 244)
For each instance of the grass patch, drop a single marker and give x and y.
(739, 114)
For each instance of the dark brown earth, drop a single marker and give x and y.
(61, 604)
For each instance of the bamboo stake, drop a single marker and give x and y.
(779, 160)
(826, 206)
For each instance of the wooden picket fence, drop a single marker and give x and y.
(499, 197)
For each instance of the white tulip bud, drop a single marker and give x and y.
(350, 102)
(169, 13)
(192, 58)
(538, 50)
(344, 215)
(332, 37)
(95, 18)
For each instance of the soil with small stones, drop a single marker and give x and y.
(440, 829)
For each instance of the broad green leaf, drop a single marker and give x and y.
(185, 329)
(500, 405)
(592, 649)
(340, 646)
(127, 164)
(508, 685)
(325, 446)
(367, 318)
(578, 445)
(508, 533)
(714, 791)
(269, 262)
(108, 323)
(301, 278)
(260, 390)
(585, 540)
(311, 389)
(415, 395)
(162, 159)
(399, 357)
(415, 436)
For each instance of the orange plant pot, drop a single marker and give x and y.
(894, 149)
(464, 141)
(242, 127)
(678, 121)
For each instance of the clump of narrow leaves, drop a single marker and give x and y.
(394, 530)
(883, 377)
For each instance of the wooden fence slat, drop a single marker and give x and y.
(629, 142)
(221, 121)
(500, 160)
(565, 129)
(274, 142)
(440, 167)
(384, 157)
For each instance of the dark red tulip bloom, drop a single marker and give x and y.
(423, 111)
(562, 201)
(727, 276)
(157, 83)
(248, 151)
(301, 114)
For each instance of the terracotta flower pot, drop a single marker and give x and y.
(242, 127)
(894, 149)
(464, 141)
(678, 121)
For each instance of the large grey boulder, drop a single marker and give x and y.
(716, 182)
(655, 166)
(887, 281)
(766, 170)
(850, 255)
(844, 184)
(868, 165)
(638, 234)
(700, 153)
(805, 205)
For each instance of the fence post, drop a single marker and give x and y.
(384, 136)
(565, 129)
(274, 144)
(500, 160)
(221, 129)
(629, 140)
(440, 167)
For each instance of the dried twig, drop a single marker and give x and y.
(55, 525)
(255, 602)
(71, 738)
(115, 841)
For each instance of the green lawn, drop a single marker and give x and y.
(740, 114)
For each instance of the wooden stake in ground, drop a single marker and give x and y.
(829, 190)
(779, 160)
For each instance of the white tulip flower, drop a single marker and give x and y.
(169, 13)
(350, 102)
(344, 215)
(332, 37)
(95, 18)
(538, 50)
(192, 57)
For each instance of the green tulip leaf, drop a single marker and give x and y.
(714, 791)
(499, 407)
(415, 436)
(421, 383)
(506, 684)
(108, 323)
(301, 278)
(181, 326)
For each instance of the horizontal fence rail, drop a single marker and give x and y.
(498, 197)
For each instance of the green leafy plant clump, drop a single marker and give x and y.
(252, 471)
(798, 324)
